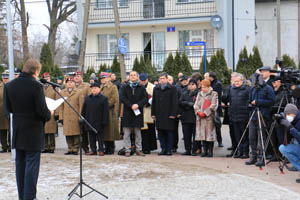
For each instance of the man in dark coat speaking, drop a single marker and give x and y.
(25, 99)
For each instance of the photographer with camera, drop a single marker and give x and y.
(291, 124)
(261, 98)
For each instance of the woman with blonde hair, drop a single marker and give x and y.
(205, 108)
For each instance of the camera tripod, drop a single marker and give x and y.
(81, 183)
(260, 123)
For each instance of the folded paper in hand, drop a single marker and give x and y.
(137, 112)
(53, 104)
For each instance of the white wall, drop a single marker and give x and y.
(266, 37)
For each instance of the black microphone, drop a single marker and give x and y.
(44, 81)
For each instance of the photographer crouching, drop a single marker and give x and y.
(291, 123)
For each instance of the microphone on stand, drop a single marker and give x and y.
(44, 81)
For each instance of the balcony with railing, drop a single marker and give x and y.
(158, 58)
(101, 11)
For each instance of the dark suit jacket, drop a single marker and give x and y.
(25, 99)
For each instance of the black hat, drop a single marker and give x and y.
(182, 78)
(193, 81)
(265, 68)
(276, 78)
(143, 76)
(95, 84)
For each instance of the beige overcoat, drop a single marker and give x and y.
(147, 108)
(51, 125)
(3, 119)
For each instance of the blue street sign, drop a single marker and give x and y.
(122, 46)
(198, 44)
(171, 29)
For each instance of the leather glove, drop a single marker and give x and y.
(201, 114)
(56, 117)
(61, 121)
(286, 123)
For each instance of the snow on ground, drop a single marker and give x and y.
(137, 178)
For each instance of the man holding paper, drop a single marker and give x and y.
(134, 97)
(25, 99)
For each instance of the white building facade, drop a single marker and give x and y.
(155, 28)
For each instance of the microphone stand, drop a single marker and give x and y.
(82, 121)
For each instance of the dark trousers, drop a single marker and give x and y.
(232, 136)
(239, 128)
(218, 125)
(73, 143)
(50, 141)
(85, 141)
(255, 139)
(166, 139)
(175, 134)
(149, 141)
(109, 147)
(189, 132)
(27, 173)
(94, 138)
(4, 140)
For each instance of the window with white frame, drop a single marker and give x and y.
(107, 4)
(107, 45)
(196, 35)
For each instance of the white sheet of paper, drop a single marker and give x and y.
(150, 101)
(137, 112)
(53, 104)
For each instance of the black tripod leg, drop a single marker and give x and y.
(260, 117)
(73, 191)
(94, 190)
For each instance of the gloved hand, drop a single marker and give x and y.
(286, 123)
(56, 117)
(201, 114)
(61, 121)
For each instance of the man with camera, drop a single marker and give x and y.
(261, 98)
(291, 123)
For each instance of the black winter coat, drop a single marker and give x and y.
(238, 99)
(164, 105)
(95, 110)
(186, 104)
(279, 94)
(24, 97)
(217, 87)
(128, 97)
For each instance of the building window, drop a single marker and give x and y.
(196, 35)
(194, 1)
(107, 45)
(107, 4)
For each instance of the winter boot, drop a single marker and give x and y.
(205, 149)
(210, 149)
(252, 160)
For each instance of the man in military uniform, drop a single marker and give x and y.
(69, 118)
(50, 126)
(111, 132)
(86, 91)
(3, 120)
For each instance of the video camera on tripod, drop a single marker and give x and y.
(289, 76)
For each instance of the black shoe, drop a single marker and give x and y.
(68, 153)
(230, 155)
(187, 153)
(74, 153)
(260, 163)
(204, 154)
(230, 148)
(251, 161)
(238, 155)
(220, 144)
(245, 156)
(51, 151)
(194, 154)
(146, 152)
(163, 152)
(45, 151)
(169, 153)
(298, 180)
(174, 150)
(3, 151)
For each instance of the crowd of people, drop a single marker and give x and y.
(140, 112)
